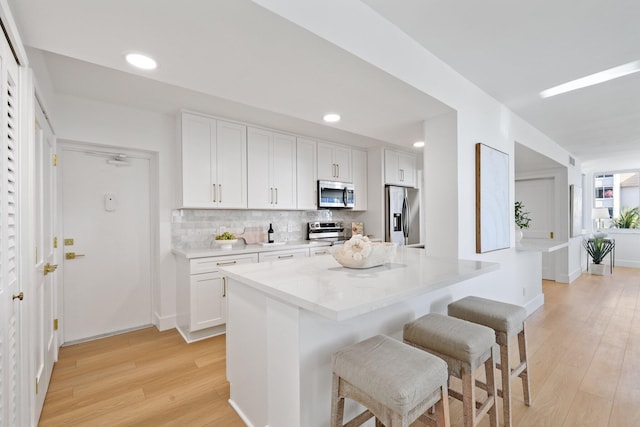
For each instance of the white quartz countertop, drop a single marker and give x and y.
(241, 248)
(321, 285)
(540, 245)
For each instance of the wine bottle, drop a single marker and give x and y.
(270, 234)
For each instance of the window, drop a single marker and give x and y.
(617, 192)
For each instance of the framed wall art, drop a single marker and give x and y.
(493, 211)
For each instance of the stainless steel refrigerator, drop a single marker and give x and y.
(402, 218)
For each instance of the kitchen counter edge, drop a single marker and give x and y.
(240, 249)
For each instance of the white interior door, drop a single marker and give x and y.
(105, 208)
(45, 282)
(538, 196)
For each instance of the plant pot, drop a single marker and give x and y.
(599, 269)
(519, 234)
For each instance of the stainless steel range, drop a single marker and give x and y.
(326, 231)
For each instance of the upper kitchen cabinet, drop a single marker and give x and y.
(359, 162)
(213, 163)
(399, 168)
(307, 174)
(271, 162)
(334, 162)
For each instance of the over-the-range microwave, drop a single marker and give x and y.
(332, 194)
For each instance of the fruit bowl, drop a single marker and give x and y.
(226, 244)
(360, 252)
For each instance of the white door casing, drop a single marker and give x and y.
(105, 209)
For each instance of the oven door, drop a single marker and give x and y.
(333, 194)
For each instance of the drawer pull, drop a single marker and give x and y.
(321, 252)
(223, 263)
(285, 256)
(224, 286)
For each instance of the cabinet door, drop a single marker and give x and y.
(208, 301)
(259, 187)
(283, 171)
(407, 168)
(359, 162)
(306, 174)
(342, 160)
(391, 170)
(231, 165)
(198, 135)
(326, 167)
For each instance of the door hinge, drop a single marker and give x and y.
(55, 160)
(55, 324)
(551, 235)
(55, 242)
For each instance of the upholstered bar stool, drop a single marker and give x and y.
(465, 346)
(507, 320)
(395, 382)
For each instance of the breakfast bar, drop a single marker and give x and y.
(286, 318)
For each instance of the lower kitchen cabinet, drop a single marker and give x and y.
(201, 305)
(282, 255)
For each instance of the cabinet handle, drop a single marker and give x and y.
(285, 256)
(214, 193)
(223, 263)
(337, 171)
(220, 193)
(321, 252)
(270, 195)
(224, 286)
(276, 195)
(333, 170)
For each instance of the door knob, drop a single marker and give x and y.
(49, 268)
(20, 296)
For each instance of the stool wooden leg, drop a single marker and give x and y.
(491, 390)
(522, 346)
(468, 398)
(442, 410)
(505, 371)
(337, 403)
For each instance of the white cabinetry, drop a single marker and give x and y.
(323, 250)
(307, 174)
(271, 162)
(213, 163)
(359, 163)
(284, 254)
(334, 162)
(399, 168)
(201, 304)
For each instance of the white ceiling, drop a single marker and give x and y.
(232, 56)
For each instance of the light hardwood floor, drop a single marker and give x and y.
(584, 349)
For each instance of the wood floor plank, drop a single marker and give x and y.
(584, 348)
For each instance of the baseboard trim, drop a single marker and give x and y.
(164, 323)
(240, 413)
(534, 304)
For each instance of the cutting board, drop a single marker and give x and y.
(253, 235)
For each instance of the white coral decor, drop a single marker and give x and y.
(360, 252)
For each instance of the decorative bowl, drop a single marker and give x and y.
(360, 252)
(226, 244)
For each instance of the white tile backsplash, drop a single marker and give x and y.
(196, 228)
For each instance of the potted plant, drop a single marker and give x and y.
(598, 248)
(522, 219)
(629, 218)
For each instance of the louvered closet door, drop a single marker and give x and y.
(10, 304)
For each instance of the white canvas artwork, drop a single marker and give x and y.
(492, 199)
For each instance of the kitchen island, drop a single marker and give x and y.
(286, 318)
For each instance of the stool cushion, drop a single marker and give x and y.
(499, 316)
(393, 373)
(451, 337)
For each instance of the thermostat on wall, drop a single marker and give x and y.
(110, 203)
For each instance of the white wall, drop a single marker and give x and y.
(355, 27)
(88, 121)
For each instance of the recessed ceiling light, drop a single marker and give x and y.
(141, 61)
(418, 144)
(331, 117)
(593, 79)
